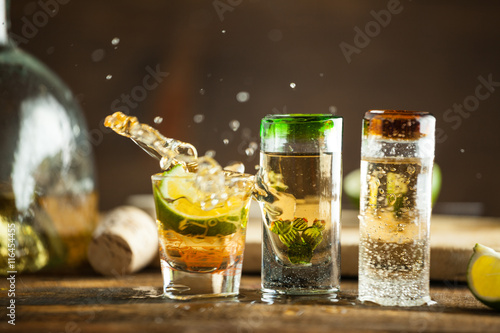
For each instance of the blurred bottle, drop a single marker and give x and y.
(48, 203)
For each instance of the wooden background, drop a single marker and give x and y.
(428, 57)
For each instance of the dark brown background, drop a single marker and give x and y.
(428, 57)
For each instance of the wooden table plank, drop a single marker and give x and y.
(91, 303)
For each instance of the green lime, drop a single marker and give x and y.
(483, 275)
(178, 210)
(436, 182)
(352, 186)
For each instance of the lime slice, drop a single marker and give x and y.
(483, 276)
(177, 209)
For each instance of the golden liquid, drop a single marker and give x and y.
(208, 254)
(56, 231)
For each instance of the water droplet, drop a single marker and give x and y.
(321, 74)
(198, 118)
(242, 96)
(226, 141)
(210, 153)
(256, 167)
(249, 151)
(115, 41)
(462, 150)
(410, 169)
(332, 109)
(97, 55)
(293, 85)
(109, 76)
(253, 145)
(234, 125)
(202, 91)
(223, 31)
(158, 120)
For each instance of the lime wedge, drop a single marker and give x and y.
(177, 208)
(483, 276)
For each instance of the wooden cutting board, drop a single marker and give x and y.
(452, 240)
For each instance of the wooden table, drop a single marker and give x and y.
(91, 303)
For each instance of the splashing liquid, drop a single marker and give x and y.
(166, 150)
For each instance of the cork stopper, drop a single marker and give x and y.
(398, 124)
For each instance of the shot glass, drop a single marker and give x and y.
(298, 188)
(397, 155)
(201, 249)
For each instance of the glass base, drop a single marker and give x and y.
(180, 285)
(394, 292)
(298, 291)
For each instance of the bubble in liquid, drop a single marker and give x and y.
(115, 41)
(198, 118)
(158, 120)
(234, 125)
(293, 85)
(226, 141)
(242, 96)
(210, 153)
(109, 76)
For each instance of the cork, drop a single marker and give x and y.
(125, 241)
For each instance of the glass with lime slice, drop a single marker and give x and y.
(201, 246)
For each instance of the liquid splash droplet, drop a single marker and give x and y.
(242, 96)
(332, 109)
(210, 153)
(115, 41)
(202, 91)
(234, 125)
(249, 151)
(226, 141)
(158, 120)
(109, 76)
(198, 118)
(293, 85)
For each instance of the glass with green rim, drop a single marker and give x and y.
(299, 190)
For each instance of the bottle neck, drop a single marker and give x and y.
(4, 22)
